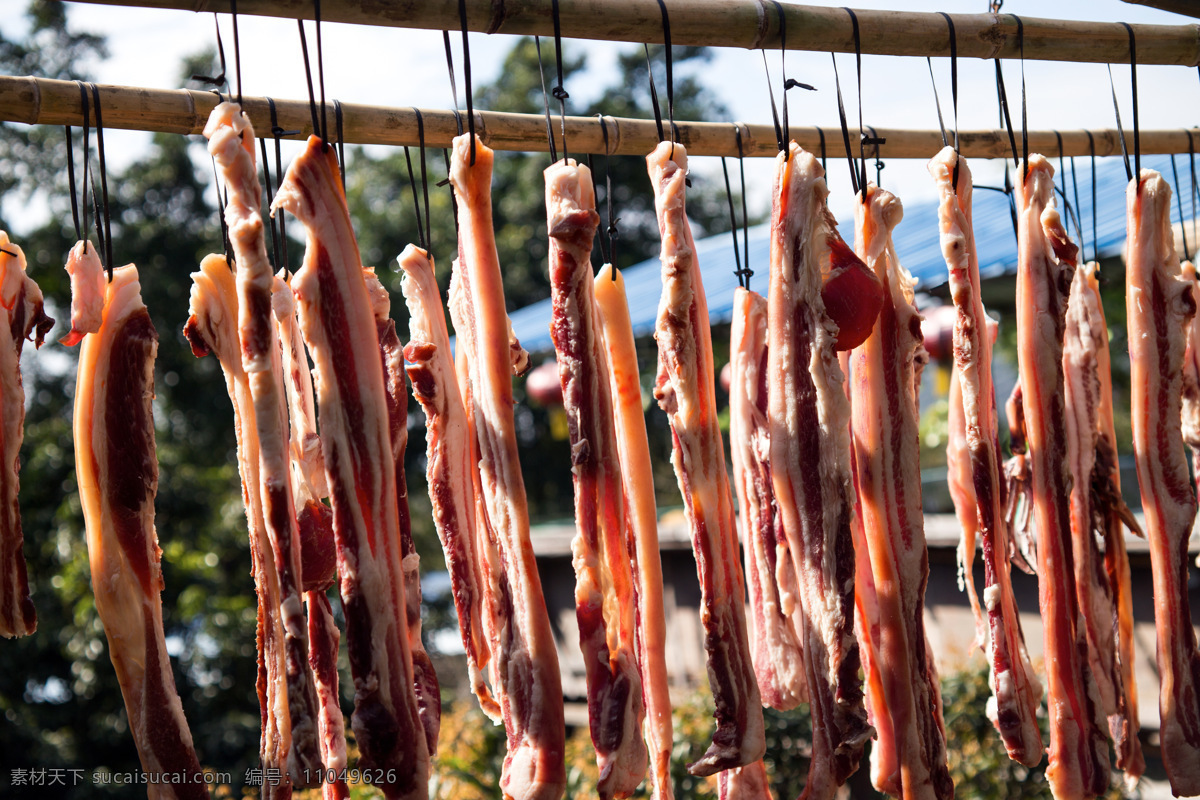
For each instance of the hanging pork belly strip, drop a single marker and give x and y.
(637, 479)
(744, 783)
(231, 144)
(604, 585)
(685, 390)
(770, 570)
(429, 699)
(1099, 516)
(117, 470)
(338, 325)
(1159, 304)
(88, 282)
(810, 460)
(212, 328)
(20, 318)
(318, 550)
(448, 450)
(1078, 765)
(909, 758)
(1015, 690)
(525, 658)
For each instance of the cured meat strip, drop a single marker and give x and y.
(685, 390)
(212, 328)
(525, 659)
(810, 459)
(231, 144)
(87, 292)
(339, 327)
(604, 584)
(317, 552)
(637, 480)
(1015, 689)
(770, 571)
(117, 471)
(909, 758)
(20, 318)
(448, 456)
(1099, 516)
(744, 783)
(1078, 765)
(429, 699)
(1159, 304)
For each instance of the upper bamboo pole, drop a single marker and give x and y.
(750, 24)
(42, 101)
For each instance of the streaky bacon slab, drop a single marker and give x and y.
(1159, 304)
(1015, 689)
(770, 571)
(212, 328)
(448, 457)
(637, 479)
(810, 458)
(338, 324)
(525, 661)
(1078, 754)
(909, 756)
(605, 593)
(20, 317)
(685, 390)
(318, 549)
(429, 698)
(1099, 516)
(231, 144)
(117, 470)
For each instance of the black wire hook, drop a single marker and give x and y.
(220, 79)
(611, 230)
(466, 48)
(879, 165)
(837, 83)
(1179, 205)
(559, 92)
(423, 232)
(276, 133)
(537, 43)
(237, 50)
(821, 134)
(341, 142)
(312, 95)
(105, 239)
(1095, 240)
(80, 227)
(658, 121)
(1120, 129)
(266, 165)
(666, 26)
(1137, 141)
(862, 154)
(1195, 184)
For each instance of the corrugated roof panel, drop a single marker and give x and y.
(916, 239)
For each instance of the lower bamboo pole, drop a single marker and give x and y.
(42, 101)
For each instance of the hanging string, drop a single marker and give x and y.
(1137, 140)
(1195, 185)
(666, 26)
(237, 50)
(312, 96)
(658, 122)
(560, 93)
(1179, 205)
(745, 219)
(220, 79)
(262, 146)
(277, 132)
(537, 42)
(1120, 130)
(466, 49)
(80, 227)
(1078, 209)
(738, 271)
(862, 138)
(1024, 112)
(453, 87)
(598, 235)
(105, 238)
(779, 140)
(423, 231)
(321, 71)
(1005, 115)
(937, 103)
(1095, 239)
(953, 93)
(611, 230)
(845, 127)
(821, 134)
(879, 165)
(1062, 176)
(453, 199)
(341, 142)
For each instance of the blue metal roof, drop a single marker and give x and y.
(916, 240)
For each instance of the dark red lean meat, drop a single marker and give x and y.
(685, 390)
(909, 756)
(1078, 764)
(212, 328)
(809, 418)
(429, 698)
(605, 593)
(117, 470)
(770, 570)
(525, 661)
(318, 552)
(637, 479)
(339, 327)
(1099, 516)
(231, 144)
(1159, 303)
(21, 316)
(430, 367)
(1015, 689)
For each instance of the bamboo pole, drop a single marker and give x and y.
(42, 101)
(750, 24)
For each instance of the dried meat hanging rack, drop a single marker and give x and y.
(750, 24)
